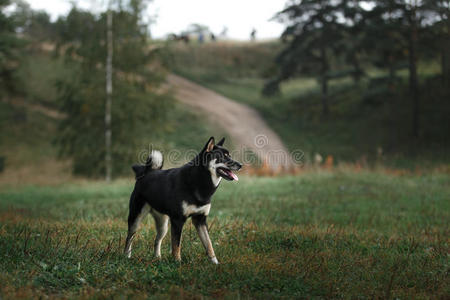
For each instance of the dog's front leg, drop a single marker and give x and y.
(202, 230)
(176, 229)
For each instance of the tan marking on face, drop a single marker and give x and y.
(210, 146)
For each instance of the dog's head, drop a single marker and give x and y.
(218, 160)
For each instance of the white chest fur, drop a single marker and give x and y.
(212, 169)
(191, 209)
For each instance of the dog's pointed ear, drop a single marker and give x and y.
(220, 143)
(209, 145)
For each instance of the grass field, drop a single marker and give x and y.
(321, 234)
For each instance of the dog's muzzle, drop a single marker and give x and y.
(227, 172)
(235, 166)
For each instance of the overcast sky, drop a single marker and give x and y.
(239, 16)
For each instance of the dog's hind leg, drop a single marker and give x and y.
(202, 230)
(161, 223)
(138, 210)
(176, 226)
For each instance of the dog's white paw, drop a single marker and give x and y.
(215, 261)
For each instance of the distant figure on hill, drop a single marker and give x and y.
(224, 32)
(183, 37)
(201, 38)
(213, 37)
(253, 34)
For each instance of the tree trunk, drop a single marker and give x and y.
(324, 82)
(391, 69)
(444, 68)
(357, 71)
(445, 44)
(413, 82)
(445, 58)
(108, 104)
(325, 109)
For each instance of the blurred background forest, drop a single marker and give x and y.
(361, 82)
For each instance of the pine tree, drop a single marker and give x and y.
(314, 35)
(439, 33)
(10, 47)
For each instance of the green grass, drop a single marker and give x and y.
(186, 130)
(318, 235)
(226, 59)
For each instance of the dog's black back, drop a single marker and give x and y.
(188, 183)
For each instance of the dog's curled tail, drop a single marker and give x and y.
(154, 162)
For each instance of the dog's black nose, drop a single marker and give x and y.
(239, 165)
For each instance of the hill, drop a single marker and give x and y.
(361, 127)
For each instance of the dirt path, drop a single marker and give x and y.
(244, 125)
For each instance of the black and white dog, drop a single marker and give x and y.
(179, 193)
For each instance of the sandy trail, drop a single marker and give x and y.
(244, 125)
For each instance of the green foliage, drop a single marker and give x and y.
(314, 34)
(235, 60)
(329, 38)
(317, 35)
(347, 235)
(34, 25)
(10, 46)
(437, 36)
(25, 136)
(384, 36)
(138, 108)
(38, 75)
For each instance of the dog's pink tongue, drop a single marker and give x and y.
(233, 175)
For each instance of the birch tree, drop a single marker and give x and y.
(109, 90)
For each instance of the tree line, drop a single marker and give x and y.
(330, 39)
(133, 111)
